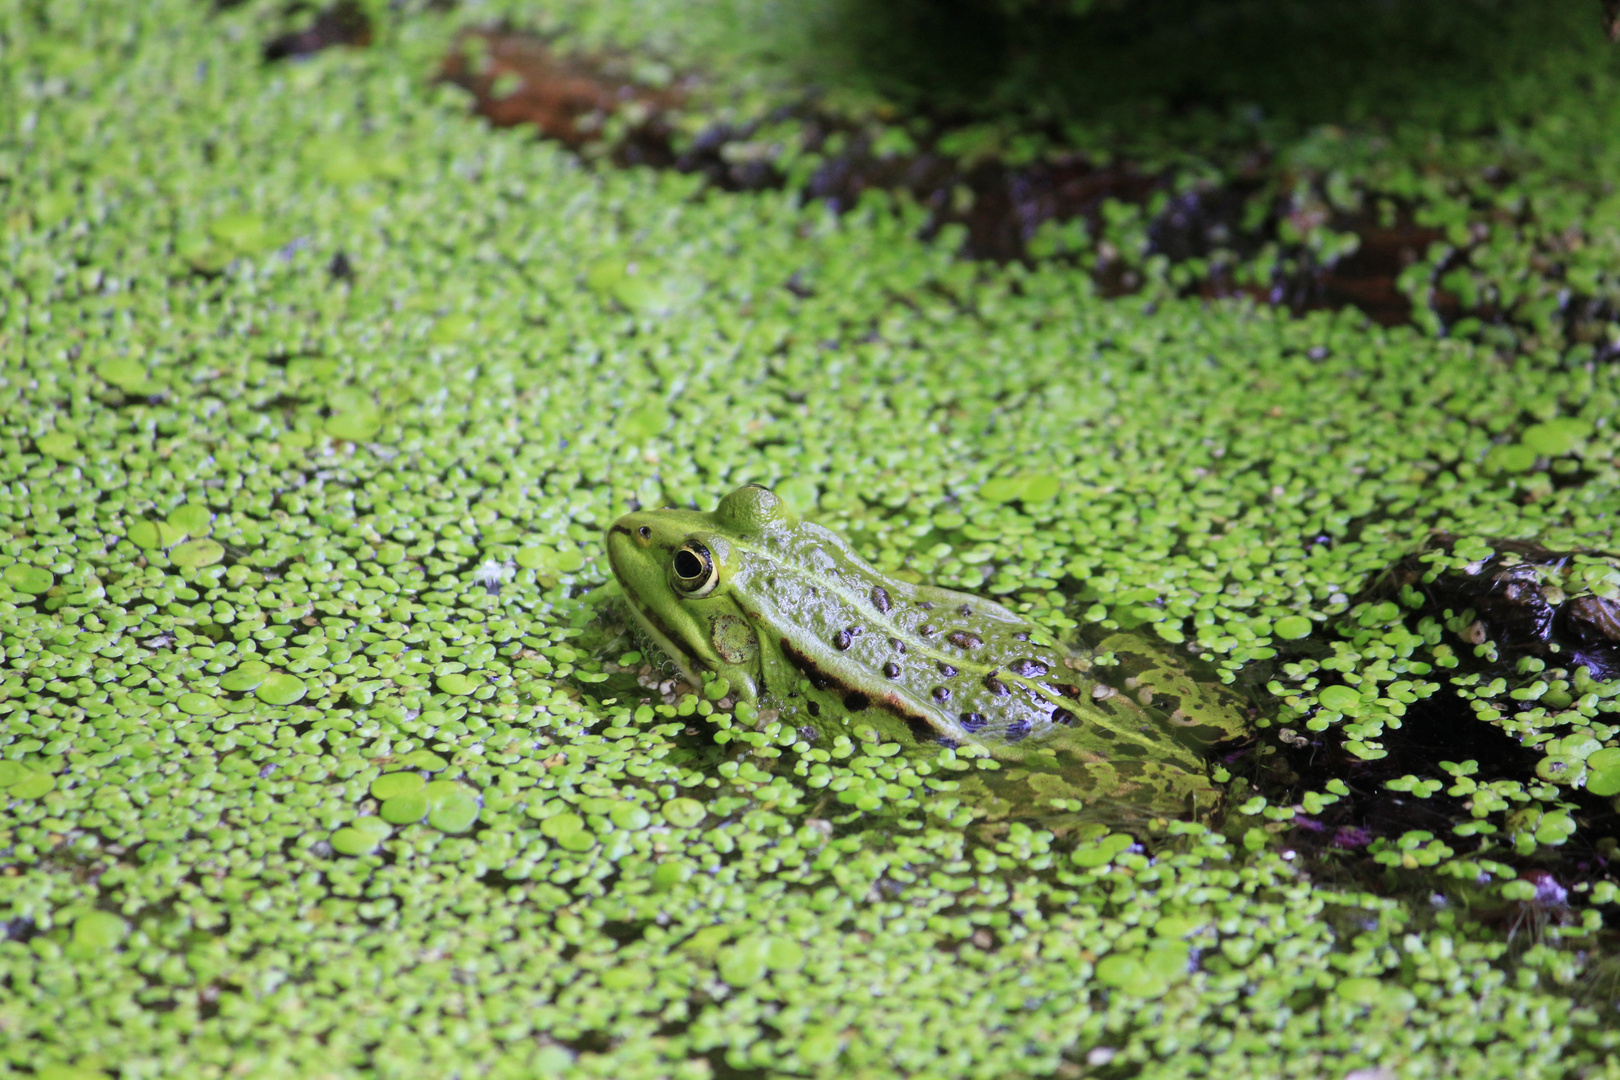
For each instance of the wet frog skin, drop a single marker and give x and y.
(787, 611)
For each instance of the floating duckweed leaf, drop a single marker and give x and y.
(456, 684)
(145, 535)
(558, 826)
(452, 807)
(53, 206)
(393, 785)
(632, 816)
(373, 826)
(339, 162)
(671, 873)
(355, 416)
(245, 676)
(744, 963)
(628, 977)
(644, 423)
(1472, 548)
(1510, 458)
(404, 809)
(194, 554)
(1241, 950)
(13, 772)
(603, 275)
(638, 289)
(126, 374)
(569, 831)
(1039, 487)
(1520, 889)
(1556, 437)
(1002, 489)
(1101, 851)
(68, 1072)
(29, 579)
(643, 295)
(424, 759)
(1130, 974)
(1360, 990)
(1340, 699)
(535, 558)
(683, 813)
(33, 786)
(569, 560)
(59, 445)
(322, 369)
(360, 425)
(783, 954)
(450, 329)
(1292, 627)
(800, 493)
(1554, 828)
(99, 930)
(1175, 927)
(361, 836)
(199, 705)
(245, 233)
(207, 257)
(348, 841)
(193, 519)
(820, 1044)
(280, 688)
(1603, 772)
(343, 161)
(388, 554)
(345, 167)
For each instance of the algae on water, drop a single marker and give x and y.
(323, 754)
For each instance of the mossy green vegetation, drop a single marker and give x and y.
(324, 748)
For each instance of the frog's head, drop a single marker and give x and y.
(680, 574)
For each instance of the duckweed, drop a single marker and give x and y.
(324, 746)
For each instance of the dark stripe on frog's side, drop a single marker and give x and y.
(854, 699)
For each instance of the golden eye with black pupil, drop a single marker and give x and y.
(693, 570)
(646, 532)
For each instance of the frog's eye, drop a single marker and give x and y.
(694, 570)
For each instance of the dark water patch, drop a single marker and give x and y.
(1282, 240)
(1518, 601)
(342, 23)
(1373, 815)
(1498, 764)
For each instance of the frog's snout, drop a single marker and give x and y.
(625, 538)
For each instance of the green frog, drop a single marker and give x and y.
(785, 610)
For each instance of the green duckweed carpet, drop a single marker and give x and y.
(326, 752)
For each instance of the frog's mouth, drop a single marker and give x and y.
(647, 620)
(655, 629)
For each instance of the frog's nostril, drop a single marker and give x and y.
(646, 532)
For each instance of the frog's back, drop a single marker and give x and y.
(964, 667)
